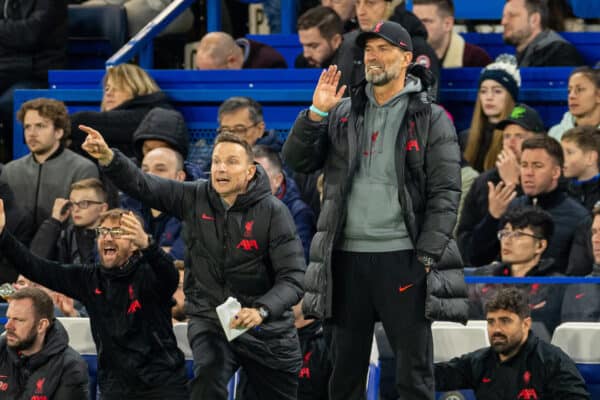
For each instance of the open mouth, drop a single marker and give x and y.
(109, 251)
(222, 180)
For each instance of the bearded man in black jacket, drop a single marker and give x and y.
(241, 242)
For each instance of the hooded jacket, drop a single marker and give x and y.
(581, 302)
(567, 122)
(33, 38)
(117, 125)
(162, 124)
(130, 316)
(549, 49)
(249, 251)
(55, 372)
(427, 162)
(538, 371)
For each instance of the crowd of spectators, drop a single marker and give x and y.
(530, 202)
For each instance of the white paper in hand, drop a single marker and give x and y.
(226, 312)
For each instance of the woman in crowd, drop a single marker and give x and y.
(498, 92)
(583, 100)
(129, 94)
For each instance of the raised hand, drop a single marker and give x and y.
(61, 209)
(508, 167)
(2, 216)
(327, 94)
(134, 231)
(499, 197)
(95, 145)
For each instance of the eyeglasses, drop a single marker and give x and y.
(506, 234)
(83, 204)
(114, 232)
(240, 130)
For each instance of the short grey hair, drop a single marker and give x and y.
(233, 104)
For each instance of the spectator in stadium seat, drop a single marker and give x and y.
(524, 236)
(33, 40)
(541, 164)
(522, 123)
(525, 24)
(218, 50)
(377, 235)
(349, 58)
(36, 360)
(320, 33)
(581, 302)
(498, 92)
(74, 241)
(240, 242)
(162, 127)
(129, 93)
(450, 48)
(517, 365)
(346, 10)
(284, 188)
(47, 173)
(128, 296)
(583, 100)
(165, 228)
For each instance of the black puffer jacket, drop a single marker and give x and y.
(55, 372)
(428, 182)
(117, 125)
(33, 38)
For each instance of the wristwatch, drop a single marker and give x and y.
(426, 260)
(263, 312)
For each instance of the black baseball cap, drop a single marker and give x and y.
(524, 116)
(389, 31)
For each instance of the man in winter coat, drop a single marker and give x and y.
(391, 192)
(36, 361)
(240, 243)
(128, 297)
(517, 365)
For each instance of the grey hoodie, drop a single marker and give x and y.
(567, 122)
(374, 216)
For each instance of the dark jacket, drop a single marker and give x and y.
(586, 192)
(475, 56)
(428, 182)
(538, 371)
(350, 58)
(117, 125)
(260, 55)
(55, 372)
(581, 302)
(162, 124)
(130, 317)
(66, 244)
(549, 49)
(33, 38)
(544, 300)
(249, 251)
(303, 215)
(566, 213)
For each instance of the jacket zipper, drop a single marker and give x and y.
(37, 194)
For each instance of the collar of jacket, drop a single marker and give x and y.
(548, 200)
(125, 270)
(56, 341)
(543, 268)
(54, 155)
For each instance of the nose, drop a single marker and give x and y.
(8, 324)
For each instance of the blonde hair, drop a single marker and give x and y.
(132, 77)
(91, 183)
(476, 135)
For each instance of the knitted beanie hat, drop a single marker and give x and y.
(504, 70)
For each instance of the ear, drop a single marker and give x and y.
(43, 325)
(448, 23)
(557, 172)
(104, 207)
(59, 133)
(180, 176)
(535, 19)
(592, 157)
(336, 41)
(541, 246)
(408, 57)
(251, 171)
(278, 179)
(527, 323)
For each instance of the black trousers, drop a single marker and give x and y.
(380, 286)
(216, 361)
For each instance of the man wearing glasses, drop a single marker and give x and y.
(524, 236)
(128, 296)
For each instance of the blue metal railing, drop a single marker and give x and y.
(142, 43)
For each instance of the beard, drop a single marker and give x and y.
(385, 75)
(25, 343)
(517, 37)
(505, 346)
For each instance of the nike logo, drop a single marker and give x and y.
(579, 295)
(537, 306)
(486, 380)
(207, 217)
(97, 291)
(405, 287)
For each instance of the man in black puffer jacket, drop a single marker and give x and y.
(240, 242)
(391, 168)
(36, 361)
